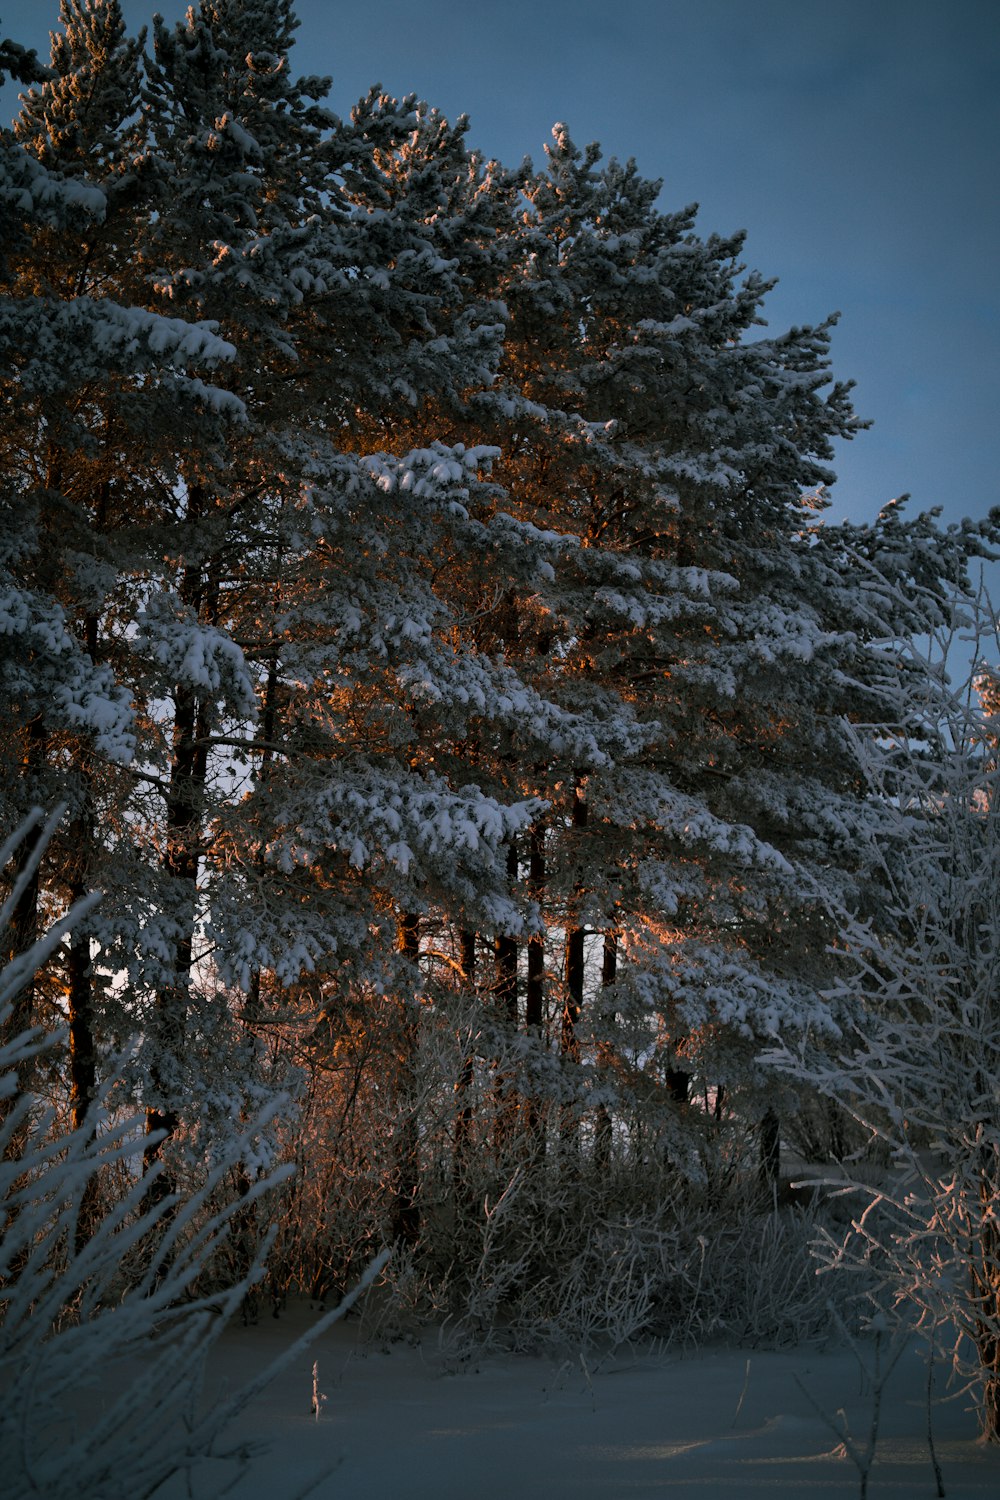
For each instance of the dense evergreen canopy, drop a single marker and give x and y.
(414, 580)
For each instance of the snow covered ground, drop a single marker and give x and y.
(403, 1424)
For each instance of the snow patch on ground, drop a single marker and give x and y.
(404, 1423)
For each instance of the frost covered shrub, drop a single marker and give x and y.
(918, 1064)
(747, 1275)
(101, 1371)
(72, 1325)
(69, 1320)
(665, 1232)
(527, 1241)
(335, 1214)
(586, 1258)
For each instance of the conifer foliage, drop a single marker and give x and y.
(413, 580)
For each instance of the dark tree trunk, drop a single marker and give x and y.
(184, 824)
(505, 950)
(602, 1135)
(678, 1084)
(82, 1046)
(20, 936)
(770, 1150)
(573, 984)
(252, 1011)
(573, 1001)
(405, 1220)
(80, 987)
(534, 996)
(464, 1111)
(80, 999)
(22, 933)
(506, 956)
(181, 863)
(82, 840)
(246, 1237)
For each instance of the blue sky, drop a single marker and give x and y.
(856, 142)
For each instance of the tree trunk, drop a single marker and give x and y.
(21, 934)
(246, 1233)
(463, 1086)
(678, 1084)
(82, 1046)
(181, 860)
(505, 952)
(770, 1150)
(405, 1218)
(534, 997)
(80, 999)
(602, 1135)
(506, 956)
(573, 986)
(535, 993)
(80, 987)
(181, 863)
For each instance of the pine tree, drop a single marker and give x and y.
(415, 581)
(87, 457)
(86, 371)
(682, 459)
(334, 607)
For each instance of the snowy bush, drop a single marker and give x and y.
(596, 1260)
(101, 1372)
(527, 1243)
(919, 1068)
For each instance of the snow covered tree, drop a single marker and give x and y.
(218, 535)
(416, 583)
(85, 457)
(674, 455)
(341, 290)
(83, 373)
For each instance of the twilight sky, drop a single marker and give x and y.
(857, 142)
